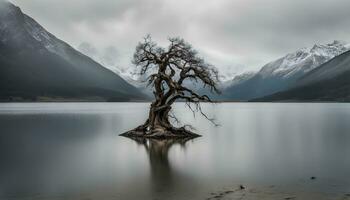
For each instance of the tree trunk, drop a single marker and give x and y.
(159, 117)
(159, 126)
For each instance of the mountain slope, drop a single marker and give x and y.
(329, 82)
(35, 64)
(281, 74)
(329, 70)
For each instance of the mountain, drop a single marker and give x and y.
(237, 79)
(328, 82)
(35, 65)
(335, 67)
(282, 73)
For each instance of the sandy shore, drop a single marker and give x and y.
(273, 193)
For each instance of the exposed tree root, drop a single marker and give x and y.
(160, 133)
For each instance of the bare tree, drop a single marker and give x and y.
(167, 70)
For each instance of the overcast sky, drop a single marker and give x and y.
(231, 34)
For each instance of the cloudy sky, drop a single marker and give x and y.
(234, 35)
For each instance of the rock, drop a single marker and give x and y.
(290, 198)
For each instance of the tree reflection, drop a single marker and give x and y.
(162, 175)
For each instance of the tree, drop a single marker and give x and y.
(168, 71)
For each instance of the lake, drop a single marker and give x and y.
(73, 151)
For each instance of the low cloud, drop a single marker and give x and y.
(229, 33)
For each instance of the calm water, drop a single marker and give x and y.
(73, 151)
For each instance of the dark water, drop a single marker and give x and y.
(73, 151)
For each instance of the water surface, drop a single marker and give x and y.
(73, 151)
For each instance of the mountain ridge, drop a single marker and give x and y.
(282, 73)
(38, 64)
(328, 82)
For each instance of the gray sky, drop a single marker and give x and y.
(234, 35)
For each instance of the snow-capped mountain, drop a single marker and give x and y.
(228, 72)
(280, 74)
(35, 64)
(328, 82)
(303, 60)
(109, 59)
